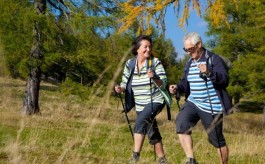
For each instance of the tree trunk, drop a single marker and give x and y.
(31, 100)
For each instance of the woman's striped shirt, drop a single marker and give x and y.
(141, 83)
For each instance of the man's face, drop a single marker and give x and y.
(192, 50)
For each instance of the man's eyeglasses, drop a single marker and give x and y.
(191, 49)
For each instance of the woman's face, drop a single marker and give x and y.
(145, 49)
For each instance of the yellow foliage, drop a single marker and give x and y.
(217, 13)
(196, 6)
(155, 10)
(176, 3)
(132, 13)
(144, 12)
(185, 16)
(158, 7)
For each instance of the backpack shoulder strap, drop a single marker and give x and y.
(226, 62)
(132, 65)
(129, 99)
(150, 63)
(187, 64)
(209, 58)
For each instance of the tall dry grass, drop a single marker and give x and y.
(73, 131)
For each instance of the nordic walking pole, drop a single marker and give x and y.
(152, 112)
(151, 96)
(210, 102)
(177, 96)
(128, 121)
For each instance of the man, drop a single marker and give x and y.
(202, 84)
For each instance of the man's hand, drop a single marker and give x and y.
(173, 89)
(203, 68)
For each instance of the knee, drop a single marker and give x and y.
(217, 143)
(154, 141)
(139, 129)
(154, 138)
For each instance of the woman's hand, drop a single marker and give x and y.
(119, 89)
(150, 73)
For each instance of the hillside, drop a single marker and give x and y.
(70, 130)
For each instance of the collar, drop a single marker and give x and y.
(202, 56)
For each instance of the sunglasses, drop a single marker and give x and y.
(191, 49)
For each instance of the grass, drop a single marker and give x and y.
(73, 131)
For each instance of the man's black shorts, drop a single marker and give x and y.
(190, 114)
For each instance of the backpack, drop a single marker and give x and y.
(164, 91)
(129, 99)
(227, 63)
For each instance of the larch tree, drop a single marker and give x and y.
(31, 100)
(145, 12)
(37, 53)
(75, 25)
(56, 40)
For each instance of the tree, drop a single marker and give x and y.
(31, 100)
(73, 42)
(242, 42)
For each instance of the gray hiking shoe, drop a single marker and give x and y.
(162, 160)
(135, 157)
(191, 161)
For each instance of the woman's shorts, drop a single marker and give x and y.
(146, 123)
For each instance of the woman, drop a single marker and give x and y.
(148, 100)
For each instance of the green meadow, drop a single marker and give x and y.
(71, 130)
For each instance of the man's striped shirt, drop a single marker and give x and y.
(198, 90)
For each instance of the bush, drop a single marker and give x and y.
(70, 87)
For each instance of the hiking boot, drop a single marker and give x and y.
(191, 161)
(162, 160)
(135, 157)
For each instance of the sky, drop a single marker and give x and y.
(176, 34)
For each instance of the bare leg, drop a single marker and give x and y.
(138, 142)
(160, 153)
(186, 143)
(224, 155)
(159, 149)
